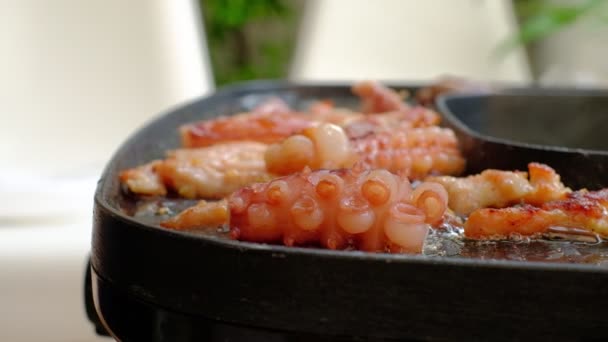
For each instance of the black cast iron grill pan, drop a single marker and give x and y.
(152, 284)
(566, 129)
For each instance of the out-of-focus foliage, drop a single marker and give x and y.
(541, 18)
(249, 39)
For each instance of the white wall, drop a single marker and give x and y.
(76, 78)
(406, 40)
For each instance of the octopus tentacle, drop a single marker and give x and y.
(417, 152)
(371, 210)
(273, 120)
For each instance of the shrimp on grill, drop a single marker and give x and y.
(208, 172)
(270, 122)
(202, 215)
(498, 189)
(580, 213)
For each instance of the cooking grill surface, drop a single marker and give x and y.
(141, 270)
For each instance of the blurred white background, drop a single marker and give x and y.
(407, 40)
(77, 77)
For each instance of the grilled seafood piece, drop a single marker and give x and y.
(274, 120)
(371, 210)
(579, 213)
(366, 125)
(415, 152)
(202, 215)
(270, 122)
(217, 170)
(209, 172)
(144, 180)
(273, 126)
(377, 98)
(499, 189)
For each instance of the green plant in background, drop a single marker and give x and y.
(249, 39)
(254, 39)
(541, 18)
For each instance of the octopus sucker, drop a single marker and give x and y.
(359, 216)
(406, 227)
(326, 188)
(306, 213)
(261, 219)
(432, 198)
(408, 237)
(356, 220)
(277, 192)
(380, 186)
(375, 192)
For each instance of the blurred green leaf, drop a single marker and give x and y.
(542, 19)
(527, 8)
(248, 39)
(224, 16)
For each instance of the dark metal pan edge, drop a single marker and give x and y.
(442, 104)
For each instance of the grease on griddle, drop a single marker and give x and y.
(445, 242)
